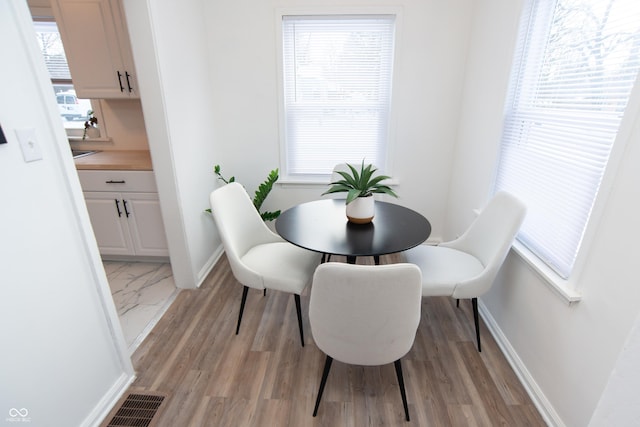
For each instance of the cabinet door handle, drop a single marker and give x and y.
(120, 81)
(127, 75)
(126, 211)
(111, 181)
(118, 208)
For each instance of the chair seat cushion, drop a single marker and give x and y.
(443, 268)
(283, 266)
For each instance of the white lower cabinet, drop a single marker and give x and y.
(125, 222)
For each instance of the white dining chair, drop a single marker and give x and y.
(258, 257)
(365, 315)
(467, 266)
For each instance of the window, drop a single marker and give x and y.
(73, 110)
(337, 89)
(576, 63)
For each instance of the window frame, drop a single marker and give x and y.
(73, 134)
(280, 14)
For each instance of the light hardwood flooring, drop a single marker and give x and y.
(263, 377)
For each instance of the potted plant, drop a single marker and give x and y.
(360, 187)
(260, 195)
(90, 126)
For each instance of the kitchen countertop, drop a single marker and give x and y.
(115, 160)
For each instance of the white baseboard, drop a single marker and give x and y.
(208, 266)
(109, 400)
(541, 402)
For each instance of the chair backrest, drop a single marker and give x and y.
(241, 228)
(489, 239)
(365, 314)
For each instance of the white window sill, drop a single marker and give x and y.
(558, 285)
(77, 139)
(299, 181)
(317, 180)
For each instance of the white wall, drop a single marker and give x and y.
(566, 353)
(63, 355)
(480, 121)
(431, 53)
(619, 404)
(169, 48)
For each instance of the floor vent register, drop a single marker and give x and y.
(135, 410)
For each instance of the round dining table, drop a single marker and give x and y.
(322, 226)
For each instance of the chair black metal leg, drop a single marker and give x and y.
(474, 303)
(299, 312)
(457, 303)
(398, 366)
(376, 259)
(244, 299)
(323, 381)
(264, 292)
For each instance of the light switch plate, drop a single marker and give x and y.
(29, 145)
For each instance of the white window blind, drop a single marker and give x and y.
(73, 110)
(337, 74)
(52, 50)
(575, 66)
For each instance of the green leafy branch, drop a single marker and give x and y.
(216, 170)
(260, 195)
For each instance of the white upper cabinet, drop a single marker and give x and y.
(96, 42)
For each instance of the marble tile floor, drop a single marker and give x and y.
(142, 292)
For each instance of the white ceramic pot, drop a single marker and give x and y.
(93, 133)
(361, 210)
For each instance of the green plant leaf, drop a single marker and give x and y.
(264, 189)
(270, 216)
(338, 188)
(355, 177)
(360, 183)
(352, 195)
(386, 190)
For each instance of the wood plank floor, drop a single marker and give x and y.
(263, 377)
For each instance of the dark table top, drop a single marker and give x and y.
(322, 226)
